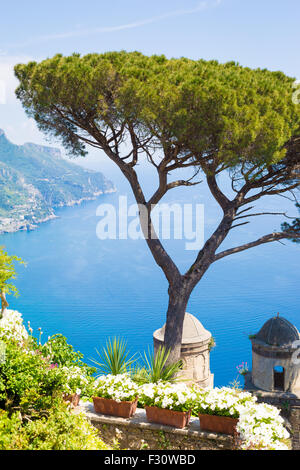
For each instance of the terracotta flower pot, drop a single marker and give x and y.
(219, 424)
(72, 398)
(106, 406)
(178, 419)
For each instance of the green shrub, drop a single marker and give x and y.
(60, 352)
(33, 379)
(60, 430)
(11, 435)
(26, 380)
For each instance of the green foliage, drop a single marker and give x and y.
(139, 373)
(59, 430)
(11, 437)
(66, 363)
(114, 357)
(27, 382)
(294, 227)
(60, 352)
(8, 271)
(216, 412)
(33, 415)
(156, 368)
(212, 343)
(243, 115)
(163, 442)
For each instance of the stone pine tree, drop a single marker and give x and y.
(176, 114)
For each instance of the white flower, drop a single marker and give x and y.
(11, 326)
(75, 379)
(117, 387)
(166, 395)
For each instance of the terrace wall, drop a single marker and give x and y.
(137, 433)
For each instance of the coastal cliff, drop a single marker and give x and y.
(35, 180)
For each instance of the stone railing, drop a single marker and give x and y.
(138, 433)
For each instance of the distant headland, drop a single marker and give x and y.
(35, 180)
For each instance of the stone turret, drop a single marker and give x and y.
(275, 362)
(195, 351)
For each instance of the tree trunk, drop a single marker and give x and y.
(179, 295)
(178, 299)
(4, 303)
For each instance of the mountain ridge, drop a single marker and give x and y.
(36, 179)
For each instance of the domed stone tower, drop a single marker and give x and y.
(275, 362)
(195, 351)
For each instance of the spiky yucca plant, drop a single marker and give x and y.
(114, 357)
(156, 368)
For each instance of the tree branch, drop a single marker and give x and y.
(219, 196)
(271, 237)
(262, 213)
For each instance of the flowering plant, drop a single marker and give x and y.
(222, 402)
(177, 397)
(116, 387)
(242, 368)
(75, 380)
(261, 427)
(12, 328)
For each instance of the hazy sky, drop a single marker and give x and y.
(256, 33)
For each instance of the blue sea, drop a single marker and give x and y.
(89, 289)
